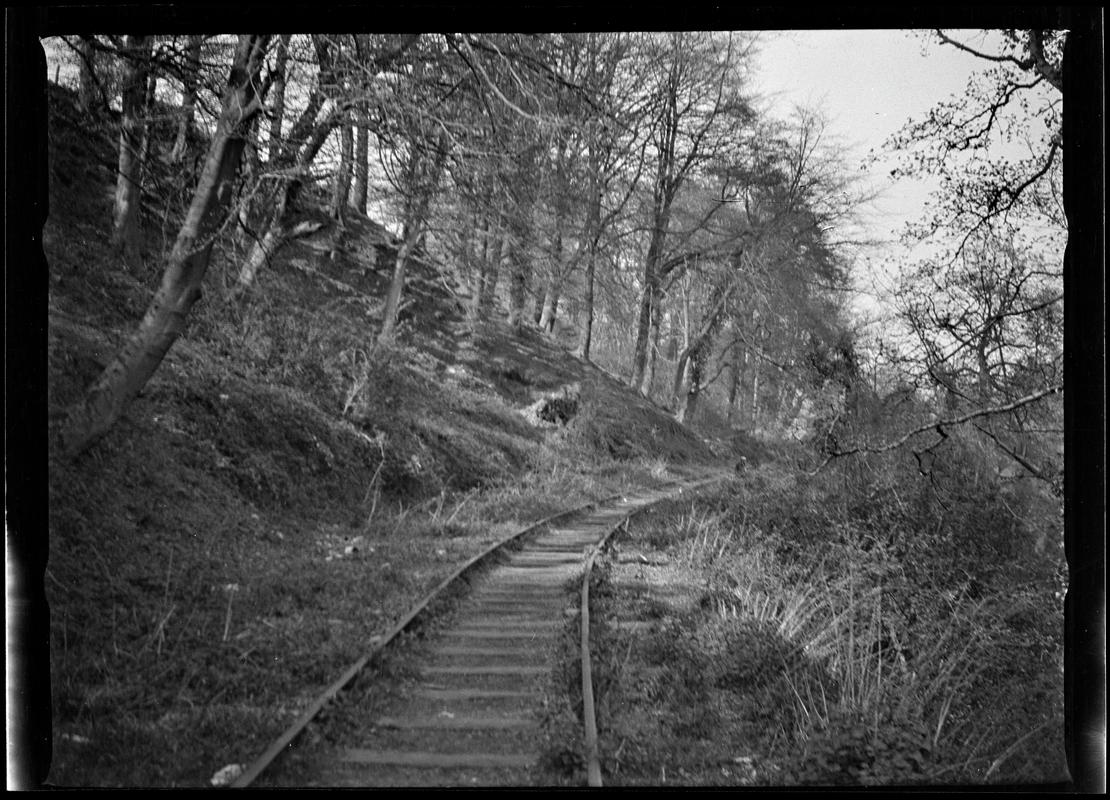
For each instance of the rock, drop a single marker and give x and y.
(555, 408)
(225, 775)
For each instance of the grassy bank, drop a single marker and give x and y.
(778, 633)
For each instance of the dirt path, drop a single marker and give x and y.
(469, 712)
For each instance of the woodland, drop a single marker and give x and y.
(325, 310)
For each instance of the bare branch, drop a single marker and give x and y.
(939, 425)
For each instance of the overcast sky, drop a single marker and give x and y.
(867, 83)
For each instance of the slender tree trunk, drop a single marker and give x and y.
(651, 298)
(126, 232)
(518, 282)
(88, 86)
(643, 323)
(755, 393)
(680, 382)
(588, 301)
(520, 264)
(260, 251)
(983, 374)
(252, 160)
(341, 191)
(148, 113)
(164, 321)
(735, 373)
(550, 309)
(523, 190)
(481, 269)
(188, 98)
(249, 169)
(396, 288)
(537, 312)
(687, 401)
(550, 303)
(653, 348)
(488, 296)
(362, 169)
(277, 101)
(423, 180)
(593, 232)
(655, 329)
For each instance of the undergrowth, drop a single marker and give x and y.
(857, 627)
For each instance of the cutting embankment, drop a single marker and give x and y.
(282, 490)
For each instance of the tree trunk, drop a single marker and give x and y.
(188, 98)
(274, 230)
(87, 85)
(523, 191)
(107, 399)
(277, 103)
(549, 306)
(259, 253)
(688, 400)
(396, 288)
(643, 323)
(755, 393)
(518, 281)
(482, 268)
(362, 169)
(488, 295)
(341, 189)
(653, 348)
(148, 113)
(520, 264)
(593, 232)
(647, 327)
(550, 309)
(126, 232)
(423, 180)
(588, 300)
(736, 372)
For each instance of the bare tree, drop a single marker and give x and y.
(694, 86)
(289, 164)
(138, 359)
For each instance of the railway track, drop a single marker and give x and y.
(469, 714)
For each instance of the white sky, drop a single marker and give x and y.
(868, 83)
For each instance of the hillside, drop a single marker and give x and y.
(282, 489)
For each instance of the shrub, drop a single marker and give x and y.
(852, 749)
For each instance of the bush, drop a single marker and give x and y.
(852, 750)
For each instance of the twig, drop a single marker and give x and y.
(1009, 751)
(939, 425)
(231, 589)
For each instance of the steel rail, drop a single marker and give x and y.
(589, 710)
(414, 615)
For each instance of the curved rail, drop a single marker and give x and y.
(589, 711)
(414, 615)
